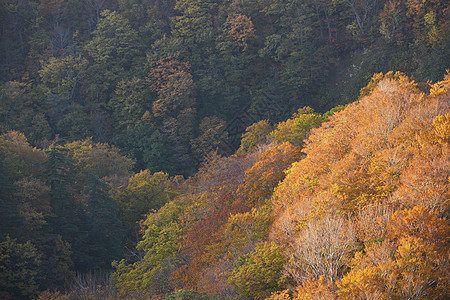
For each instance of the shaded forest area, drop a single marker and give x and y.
(189, 76)
(214, 149)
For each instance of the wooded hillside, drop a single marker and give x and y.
(204, 149)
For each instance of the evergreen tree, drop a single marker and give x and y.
(105, 229)
(8, 207)
(66, 211)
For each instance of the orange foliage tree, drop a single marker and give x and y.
(262, 178)
(385, 152)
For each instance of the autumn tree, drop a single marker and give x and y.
(33, 204)
(215, 202)
(409, 263)
(20, 163)
(239, 236)
(239, 32)
(262, 178)
(323, 247)
(175, 107)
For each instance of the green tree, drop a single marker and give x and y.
(148, 148)
(296, 129)
(56, 269)
(212, 137)
(129, 103)
(104, 227)
(258, 274)
(162, 233)
(9, 222)
(114, 42)
(19, 269)
(144, 193)
(187, 295)
(256, 134)
(16, 106)
(114, 48)
(74, 123)
(63, 76)
(67, 212)
(99, 159)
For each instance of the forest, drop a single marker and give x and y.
(201, 149)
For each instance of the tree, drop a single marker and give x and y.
(187, 295)
(323, 247)
(195, 19)
(363, 11)
(239, 236)
(150, 273)
(74, 125)
(254, 135)
(410, 263)
(40, 131)
(114, 49)
(16, 103)
(213, 137)
(19, 265)
(314, 288)
(56, 270)
(104, 227)
(113, 38)
(99, 159)
(296, 129)
(175, 107)
(172, 81)
(148, 148)
(144, 193)
(66, 217)
(33, 204)
(18, 160)
(63, 76)
(259, 273)
(239, 32)
(131, 100)
(8, 207)
(262, 178)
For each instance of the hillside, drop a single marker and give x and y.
(352, 203)
(362, 211)
(211, 149)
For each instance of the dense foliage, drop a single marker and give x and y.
(362, 213)
(189, 76)
(199, 149)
